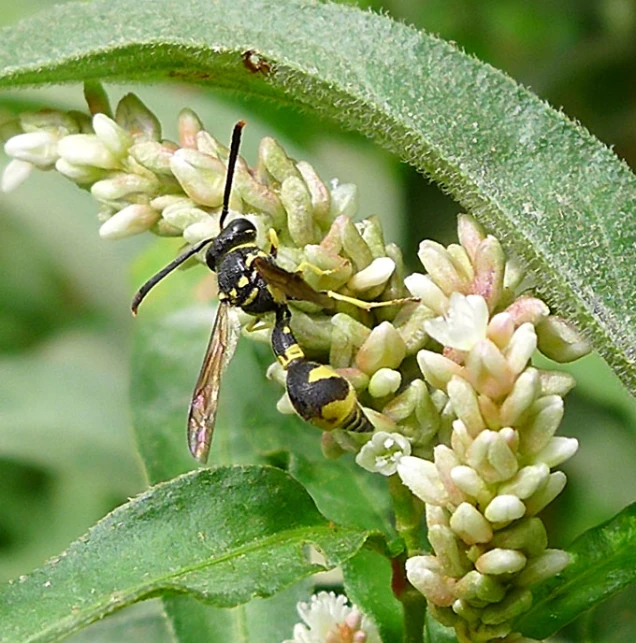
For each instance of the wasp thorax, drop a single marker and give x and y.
(234, 234)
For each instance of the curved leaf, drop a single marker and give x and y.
(604, 563)
(224, 536)
(552, 192)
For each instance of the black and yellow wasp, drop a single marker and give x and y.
(250, 279)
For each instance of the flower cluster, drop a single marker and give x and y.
(144, 182)
(328, 619)
(469, 324)
(484, 489)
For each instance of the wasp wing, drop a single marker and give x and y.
(291, 284)
(205, 398)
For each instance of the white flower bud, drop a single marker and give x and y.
(464, 324)
(556, 383)
(344, 200)
(137, 119)
(526, 482)
(560, 341)
(501, 328)
(121, 185)
(524, 392)
(320, 197)
(38, 148)
(464, 400)
(487, 370)
(470, 482)
(15, 173)
(375, 274)
(429, 582)
(528, 309)
(476, 587)
(384, 382)
(452, 558)
(445, 461)
(425, 289)
(202, 177)
(544, 566)
(538, 432)
(527, 535)
(133, 219)
(545, 495)
(189, 126)
(470, 525)
(422, 478)
(500, 561)
(276, 373)
(204, 229)
(183, 213)
(384, 348)
(87, 149)
(460, 439)
(273, 157)
(437, 369)
(114, 137)
(437, 516)
(296, 200)
(80, 174)
(520, 349)
(470, 233)
(284, 405)
(557, 451)
(383, 452)
(446, 273)
(504, 508)
(460, 258)
(501, 457)
(354, 245)
(489, 262)
(154, 156)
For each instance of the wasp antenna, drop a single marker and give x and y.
(155, 279)
(231, 165)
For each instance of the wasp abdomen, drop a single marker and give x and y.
(317, 392)
(324, 398)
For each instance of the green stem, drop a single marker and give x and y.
(414, 614)
(408, 515)
(408, 523)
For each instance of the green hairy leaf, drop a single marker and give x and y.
(554, 194)
(603, 563)
(225, 536)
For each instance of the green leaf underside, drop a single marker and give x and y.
(553, 193)
(603, 563)
(225, 536)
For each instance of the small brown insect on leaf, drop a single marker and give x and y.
(255, 63)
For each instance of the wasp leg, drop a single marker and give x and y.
(354, 301)
(369, 305)
(272, 237)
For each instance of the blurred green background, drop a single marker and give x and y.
(67, 454)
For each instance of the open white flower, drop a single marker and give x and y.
(383, 452)
(329, 619)
(464, 324)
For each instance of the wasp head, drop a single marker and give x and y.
(235, 233)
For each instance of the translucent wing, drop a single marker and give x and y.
(205, 398)
(291, 283)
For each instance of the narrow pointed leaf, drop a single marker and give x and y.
(225, 536)
(603, 563)
(551, 191)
